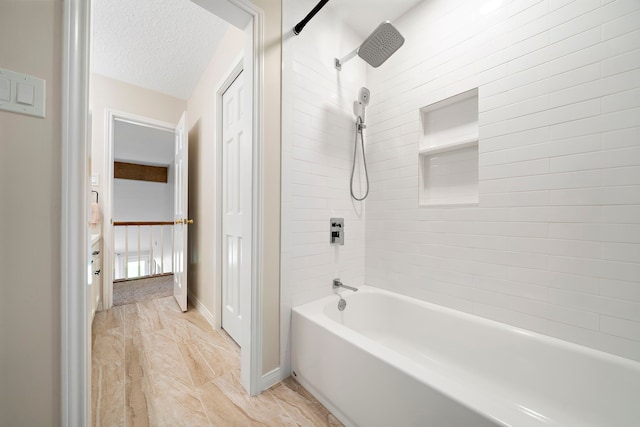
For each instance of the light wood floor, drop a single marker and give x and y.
(156, 366)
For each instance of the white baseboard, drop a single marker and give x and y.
(271, 378)
(202, 309)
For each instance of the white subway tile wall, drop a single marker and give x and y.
(554, 243)
(318, 138)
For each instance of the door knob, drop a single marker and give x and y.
(187, 221)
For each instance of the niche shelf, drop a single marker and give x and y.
(448, 151)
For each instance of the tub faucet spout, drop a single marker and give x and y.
(338, 284)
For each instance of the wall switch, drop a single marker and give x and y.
(22, 94)
(25, 94)
(95, 180)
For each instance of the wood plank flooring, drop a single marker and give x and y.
(153, 365)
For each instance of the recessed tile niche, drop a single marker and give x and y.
(448, 151)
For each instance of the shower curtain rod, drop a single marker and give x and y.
(300, 25)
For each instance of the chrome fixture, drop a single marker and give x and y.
(338, 284)
(342, 304)
(359, 108)
(336, 231)
(361, 104)
(377, 48)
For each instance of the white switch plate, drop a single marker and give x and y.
(39, 94)
(95, 180)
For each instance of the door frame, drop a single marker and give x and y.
(75, 340)
(110, 117)
(232, 74)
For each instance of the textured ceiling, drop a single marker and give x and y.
(164, 45)
(365, 15)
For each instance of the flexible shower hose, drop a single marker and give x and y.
(359, 126)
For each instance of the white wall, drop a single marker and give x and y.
(317, 148)
(143, 144)
(554, 244)
(143, 200)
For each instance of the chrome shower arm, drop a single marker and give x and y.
(338, 62)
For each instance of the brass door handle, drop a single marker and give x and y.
(184, 221)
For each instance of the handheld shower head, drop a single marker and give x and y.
(359, 106)
(383, 42)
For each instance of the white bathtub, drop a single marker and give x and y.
(389, 360)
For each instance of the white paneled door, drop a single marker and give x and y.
(180, 206)
(236, 201)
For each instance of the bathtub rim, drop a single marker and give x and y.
(311, 311)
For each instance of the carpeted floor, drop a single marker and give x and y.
(132, 291)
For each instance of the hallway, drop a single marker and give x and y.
(153, 365)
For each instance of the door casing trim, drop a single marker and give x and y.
(75, 369)
(110, 118)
